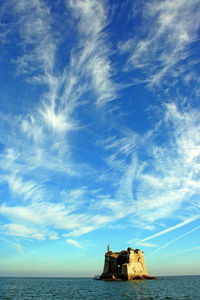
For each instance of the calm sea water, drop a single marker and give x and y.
(176, 287)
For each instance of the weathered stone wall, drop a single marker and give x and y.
(125, 265)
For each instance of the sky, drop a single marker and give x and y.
(99, 135)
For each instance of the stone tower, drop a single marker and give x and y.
(125, 265)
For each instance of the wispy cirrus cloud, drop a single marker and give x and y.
(33, 25)
(43, 130)
(22, 231)
(141, 244)
(37, 218)
(41, 148)
(144, 178)
(39, 145)
(161, 51)
(74, 243)
(174, 177)
(167, 180)
(93, 58)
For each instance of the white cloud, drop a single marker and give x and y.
(74, 243)
(39, 146)
(41, 135)
(174, 165)
(41, 149)
(22, 231)
(93, 60)
(148, 179)
(58, 216)
(168, 29)
(56, 121)
(28, 189)
(53, 235)
(165, 183)
(146, 244)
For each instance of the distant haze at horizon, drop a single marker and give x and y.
(99, 135)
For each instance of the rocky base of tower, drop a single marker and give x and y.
(121, 277)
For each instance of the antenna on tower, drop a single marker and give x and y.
(108, 248)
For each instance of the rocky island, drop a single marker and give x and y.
(125, 265)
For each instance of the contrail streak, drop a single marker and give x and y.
(171, 228)
(174, 240)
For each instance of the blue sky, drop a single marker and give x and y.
(99, 135)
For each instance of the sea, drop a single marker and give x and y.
(168, 287)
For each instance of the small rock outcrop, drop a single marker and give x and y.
(125, 265)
